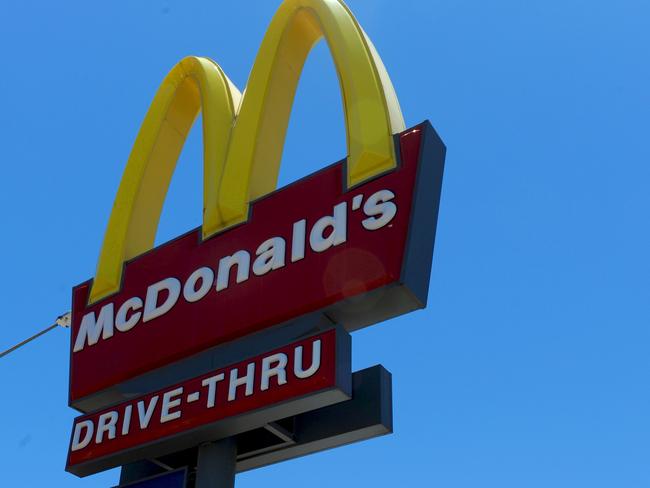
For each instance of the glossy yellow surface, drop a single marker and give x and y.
(244, 136)
(192, 85)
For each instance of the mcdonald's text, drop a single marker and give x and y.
(379, 210)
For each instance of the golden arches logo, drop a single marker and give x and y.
(244, 134)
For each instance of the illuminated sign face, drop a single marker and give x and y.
(223, 402)
(358, 256)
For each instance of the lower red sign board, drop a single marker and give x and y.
(296, 378)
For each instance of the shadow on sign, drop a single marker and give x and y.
(173, 479)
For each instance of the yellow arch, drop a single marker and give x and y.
(243, 149)
(191, 84)
(372, 112)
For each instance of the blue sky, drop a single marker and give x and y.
(530, 366)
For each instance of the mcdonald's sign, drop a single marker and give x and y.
(348, 246)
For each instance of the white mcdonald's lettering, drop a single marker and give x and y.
(327, 232)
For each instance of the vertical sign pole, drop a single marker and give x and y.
(215, 467)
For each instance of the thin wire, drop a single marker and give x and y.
(61, 321)
(20, 344)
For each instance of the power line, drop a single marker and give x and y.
(61, 321)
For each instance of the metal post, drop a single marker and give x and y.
(215, 467)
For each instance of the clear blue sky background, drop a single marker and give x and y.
(530, 366)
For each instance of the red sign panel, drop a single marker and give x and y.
(216, 404)
(311, 246)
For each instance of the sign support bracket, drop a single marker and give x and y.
(216, 464)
